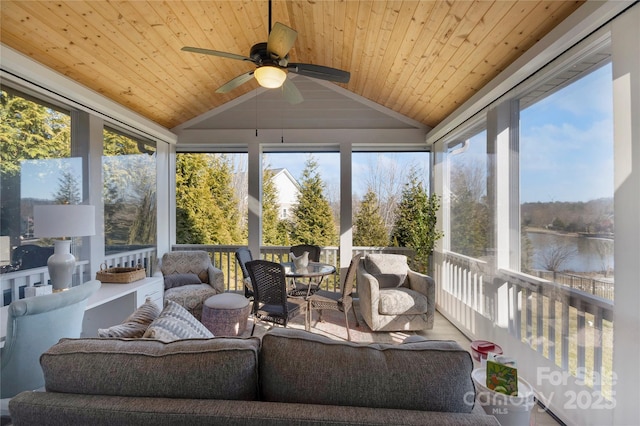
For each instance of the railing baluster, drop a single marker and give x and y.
(551, 328)
(540, 322)
(581, 335)
(598, 343)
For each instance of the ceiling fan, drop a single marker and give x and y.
(272, 64)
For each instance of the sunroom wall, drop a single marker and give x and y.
(485, 298)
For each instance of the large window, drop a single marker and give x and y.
(379, 181)
(307, 187)
(211, 198)
(36, 168)
(566, 189)
(567, 184)
(469, 211)
(129, 171)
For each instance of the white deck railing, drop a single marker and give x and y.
(561, 337)
(13, 283)
(223, 256)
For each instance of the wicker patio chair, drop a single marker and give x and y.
(342, 301)
(314, 256)
(243, 255)
(270, 301)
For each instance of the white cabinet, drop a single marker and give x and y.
(113, 303)
(153, 290)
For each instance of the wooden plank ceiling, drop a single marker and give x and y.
(421, 59)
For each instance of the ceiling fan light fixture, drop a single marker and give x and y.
(270, 77)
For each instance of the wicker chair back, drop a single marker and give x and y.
(314, 251)
(270, 302)
(243, 255)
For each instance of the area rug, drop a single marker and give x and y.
(333, 326)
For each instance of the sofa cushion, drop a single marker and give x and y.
(175, 322)
(177, 280)
(220, 368)
(301, 367)
(389, 269)
(136, 324)
(401, 301)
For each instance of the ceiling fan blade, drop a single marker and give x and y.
(321, 72)
(281, 39)
(233, 83)
(217, 53)
(291, 92)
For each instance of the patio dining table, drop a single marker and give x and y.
(312, 270)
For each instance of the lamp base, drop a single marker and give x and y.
(61, 264)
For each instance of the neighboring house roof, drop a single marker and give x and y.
(286, 173)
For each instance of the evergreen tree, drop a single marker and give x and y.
(470, 225)
(129, 191)
(313, 219)
(369, 224)
(28, 131)
(68, 189)
(223, 195)
(415, 224)
(206, 209)
(142, 171)
(270, 220)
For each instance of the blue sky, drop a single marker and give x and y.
(565, 146)
(41, 178)
(365, 167)
(566, 143)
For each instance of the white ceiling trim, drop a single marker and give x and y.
(400, 139)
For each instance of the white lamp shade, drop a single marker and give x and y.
(64, 220)
(270, 77)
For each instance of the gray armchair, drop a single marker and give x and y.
(190, 278)
(392, 296)
(34, 325)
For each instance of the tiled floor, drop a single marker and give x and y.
(333, 326)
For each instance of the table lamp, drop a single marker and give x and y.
(63, 221)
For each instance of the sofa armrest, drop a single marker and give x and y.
(216, 278)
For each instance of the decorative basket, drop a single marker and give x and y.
(120, 275)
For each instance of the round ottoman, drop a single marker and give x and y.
(226, 314)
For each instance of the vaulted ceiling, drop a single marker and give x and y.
(420, 59)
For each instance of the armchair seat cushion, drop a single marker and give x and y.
(191, 296)
(401, 301)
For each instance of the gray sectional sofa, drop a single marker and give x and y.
(288, 377)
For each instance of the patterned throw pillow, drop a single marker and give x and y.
(136, 324)
(174, 323)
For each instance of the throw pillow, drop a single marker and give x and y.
(174, 323)
(136, 324)
(178, 280)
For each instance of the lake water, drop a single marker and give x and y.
(588, 254)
